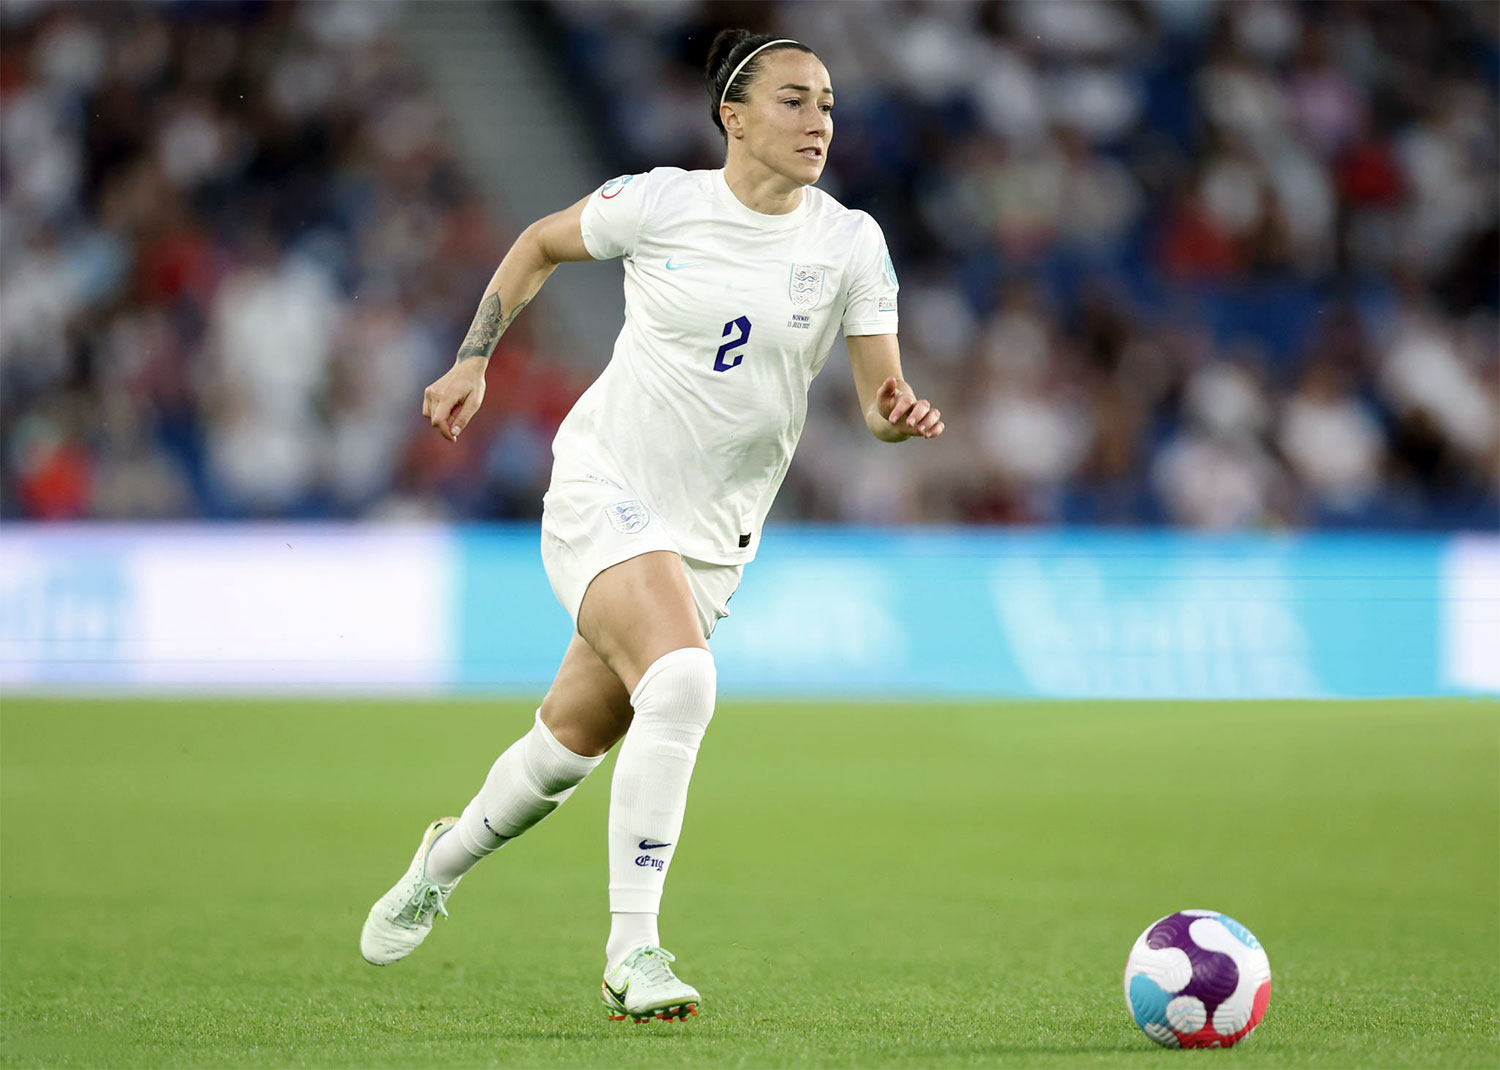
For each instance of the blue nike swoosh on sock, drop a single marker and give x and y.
(651, 846)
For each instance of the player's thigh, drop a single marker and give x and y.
(638, 610)
(587, 708)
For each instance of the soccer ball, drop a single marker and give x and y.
(1197, 979)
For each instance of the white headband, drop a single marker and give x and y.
(747, 59)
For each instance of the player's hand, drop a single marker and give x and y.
(908, 414)
(451, 402)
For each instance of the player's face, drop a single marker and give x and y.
(789, 121)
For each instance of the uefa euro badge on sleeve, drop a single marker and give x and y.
(628, 517)
(806, 286)
(613, 187)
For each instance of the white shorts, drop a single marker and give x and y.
(591, 523)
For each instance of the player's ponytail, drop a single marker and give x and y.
(727, 80)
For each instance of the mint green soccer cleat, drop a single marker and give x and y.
(643, 987)
(402, 917)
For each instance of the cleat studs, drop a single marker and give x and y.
(679, 1013)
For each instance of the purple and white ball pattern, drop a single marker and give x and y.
(1197, 979)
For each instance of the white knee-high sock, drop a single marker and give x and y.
(534, 776)
(673, 704)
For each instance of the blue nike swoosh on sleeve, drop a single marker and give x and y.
(678, 267)
(651, 846)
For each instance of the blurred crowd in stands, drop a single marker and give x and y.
(234, 248)
(1218, 265)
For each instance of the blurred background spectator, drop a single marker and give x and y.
(1219, 265)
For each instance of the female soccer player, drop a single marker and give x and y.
(735, 282)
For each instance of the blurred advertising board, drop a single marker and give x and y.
(821, 613)
(214, 606)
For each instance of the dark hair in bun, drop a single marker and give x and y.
(728, 48)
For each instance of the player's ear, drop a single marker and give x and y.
(731, 120)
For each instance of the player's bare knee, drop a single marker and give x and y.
(589, 740)
(588, 730)
(587, 708)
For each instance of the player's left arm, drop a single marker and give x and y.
(893, 412)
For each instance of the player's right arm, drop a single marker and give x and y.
(451, 402)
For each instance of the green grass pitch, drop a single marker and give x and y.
(859, 885)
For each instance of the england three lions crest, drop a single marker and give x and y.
(628, 517)
(806, 286)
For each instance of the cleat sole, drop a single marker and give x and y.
(678, 1013)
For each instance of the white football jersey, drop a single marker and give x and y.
(729, 313)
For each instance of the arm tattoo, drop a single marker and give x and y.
(484, 332)
(489, 324)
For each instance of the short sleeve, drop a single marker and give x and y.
(612, 217)
(871, 308)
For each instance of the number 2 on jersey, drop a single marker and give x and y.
(743, 325)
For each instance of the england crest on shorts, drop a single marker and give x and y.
(806, 286)
(628, 517)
